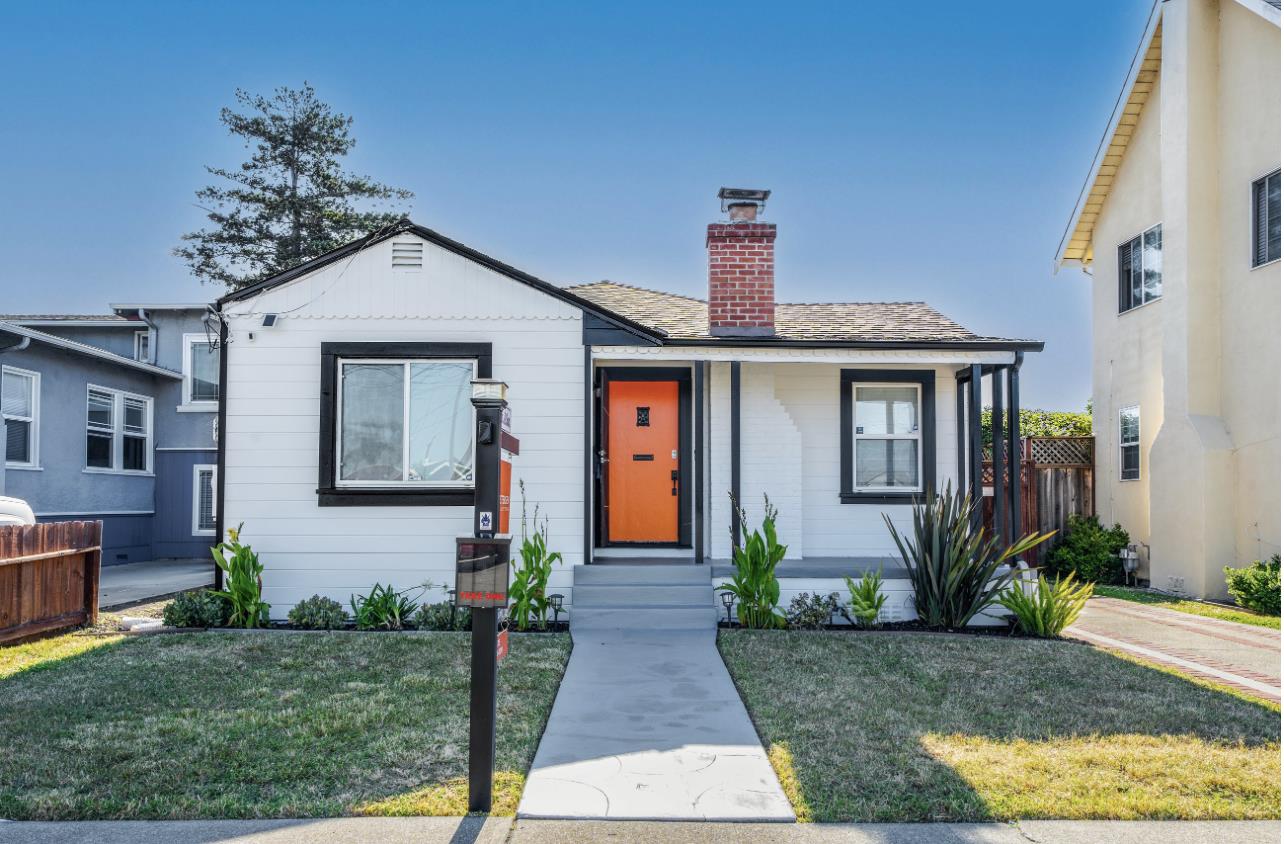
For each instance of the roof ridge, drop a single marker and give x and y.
(908, 302)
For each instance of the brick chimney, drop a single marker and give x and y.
(742, 267)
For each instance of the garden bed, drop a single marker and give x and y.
(1006, 631)
(218, 725)
(980, 728)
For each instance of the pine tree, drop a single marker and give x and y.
(291, 201)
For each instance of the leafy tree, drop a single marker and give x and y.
(1041, 423)
(292, 201)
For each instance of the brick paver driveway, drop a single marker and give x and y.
(1238, 655)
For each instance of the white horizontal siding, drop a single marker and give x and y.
(272, 426)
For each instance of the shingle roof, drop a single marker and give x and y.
(685, 318)
(62, 318)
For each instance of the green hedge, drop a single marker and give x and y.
(1041, 423)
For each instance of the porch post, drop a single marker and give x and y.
(998, 440)
(974, 441)
(735, 453)
(588, 455)
(698, 474)
(1014, 447)
(960, 426)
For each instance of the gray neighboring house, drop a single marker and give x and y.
(113, 417)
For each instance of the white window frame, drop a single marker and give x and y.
(1119, 279)
(118, 432)
(187, 405)
(1252, 222)
(143, 346)
(1131, 444)
(405, 427)
(212, 468)
(917, 437)
(34, 420)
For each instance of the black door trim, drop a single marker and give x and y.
(603, 377)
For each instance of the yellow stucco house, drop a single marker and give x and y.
(1178, 226)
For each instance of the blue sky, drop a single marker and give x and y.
(915, 150)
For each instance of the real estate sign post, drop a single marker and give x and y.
(481, 580)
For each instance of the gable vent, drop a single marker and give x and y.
(407, 255)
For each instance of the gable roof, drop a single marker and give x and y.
(685, 321)
(406, 226)
(1143, 73)
(1076, 242)
(86, 350)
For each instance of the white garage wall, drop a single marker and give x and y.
(273, 395)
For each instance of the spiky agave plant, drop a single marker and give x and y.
(954, 567)
(1049, 607)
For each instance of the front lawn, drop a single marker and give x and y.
(1204, 608)
(905, 727)
(231, 725)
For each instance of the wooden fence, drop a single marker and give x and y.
(1056, 483)
(48, 577)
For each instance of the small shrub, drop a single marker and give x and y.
(811, 612)
(1047, 609)
(443, 616)
(383, 609)
(1256, 587)
(954, 569)
(205, 608)
(867, 599)
(318, 613)
(242, 580)
(754, 584)
(1089, 551)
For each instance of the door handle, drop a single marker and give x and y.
(674, 477)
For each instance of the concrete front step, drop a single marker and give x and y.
(668, 594)
(642, 618)
(598, 575)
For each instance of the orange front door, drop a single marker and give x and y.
(642, 461)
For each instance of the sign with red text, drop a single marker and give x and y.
(481, 572)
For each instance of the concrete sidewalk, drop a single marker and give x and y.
(504, 831)
(131, 583)
(1238, 655)
(647, 725)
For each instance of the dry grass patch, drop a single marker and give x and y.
(903, 727)
(264, 725)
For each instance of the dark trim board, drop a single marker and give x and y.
(221, 459)
(926, 379)
(682, 375)
(736, 503)
(331, 495)
(698, 400)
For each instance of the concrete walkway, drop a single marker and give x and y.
(647, 725)
(1238, 655)
(504, 831)
(131, 583)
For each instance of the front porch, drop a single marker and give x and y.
(835, 439)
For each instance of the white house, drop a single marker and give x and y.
(1182, 209)
(348, 433)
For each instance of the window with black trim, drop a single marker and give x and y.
(397, 423)
(1266, 219)
(887, 441)
(1141, 269)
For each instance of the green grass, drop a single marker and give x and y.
(207, 725)
(1225, 613)
(905, 727)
